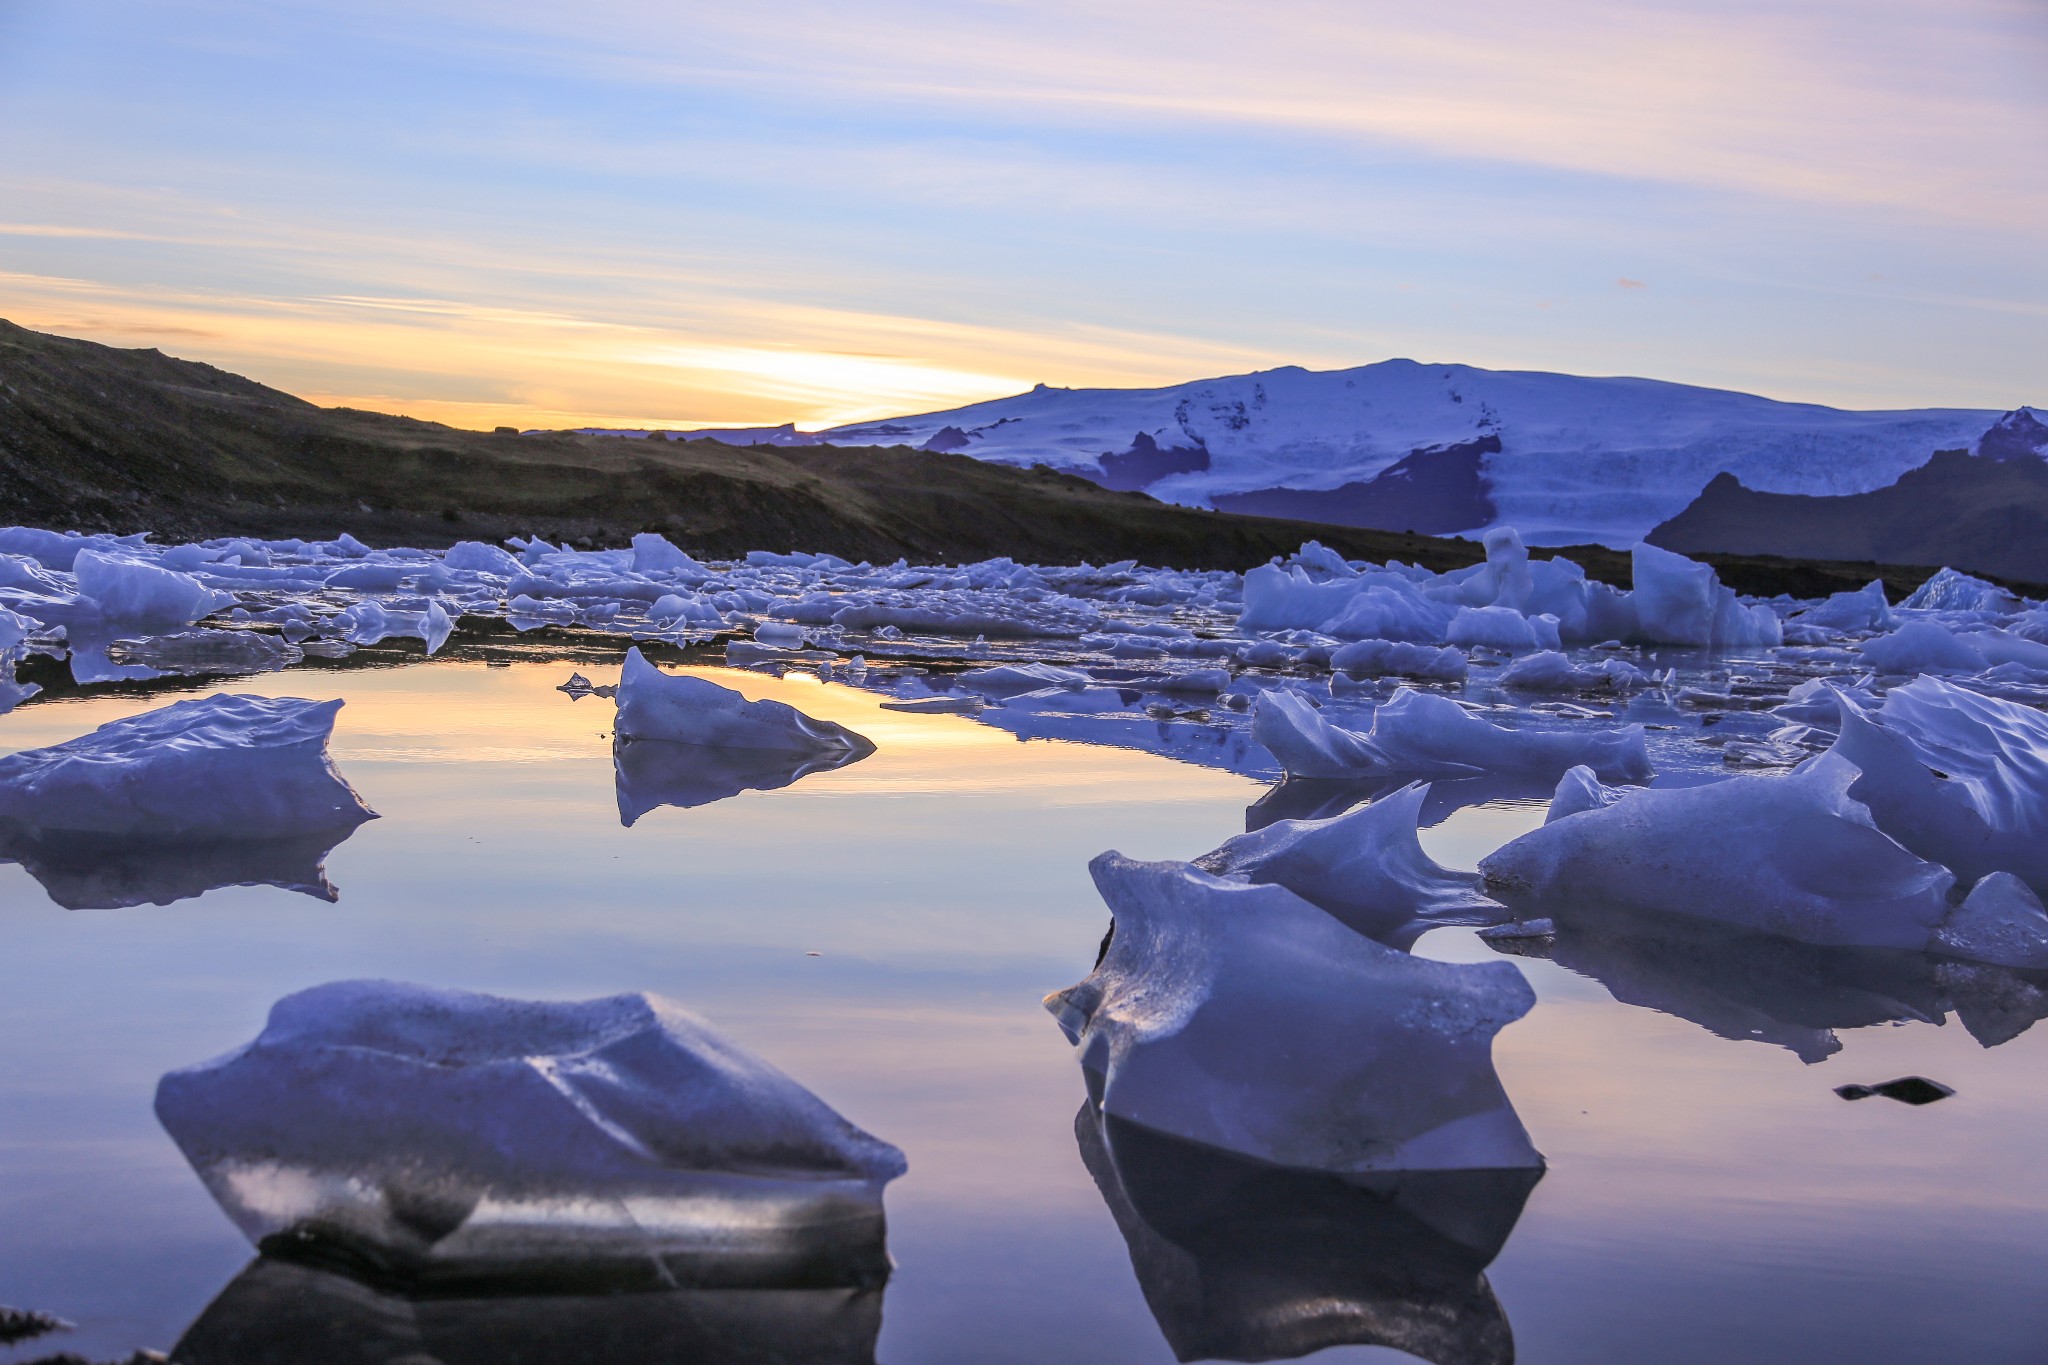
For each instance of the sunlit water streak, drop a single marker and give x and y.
(884, 932)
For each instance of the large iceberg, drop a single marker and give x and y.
(1240, 1260)
(683, 709)
(1245, 1019)
(1366, 867)
(211, 768)
(444, 1137)
(129, 593)
(1791, 855)
(283, 1312)
(1424, 734)
(1678, 601)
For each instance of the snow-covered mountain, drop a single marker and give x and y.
(1443, 449)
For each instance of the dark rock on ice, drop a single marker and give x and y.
(1906, 1090)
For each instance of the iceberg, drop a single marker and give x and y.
(1377, 658)
(1242, 1018)
(445, 1138)
(1423, 734)
(1239, 1260)
(1865, 609)
(1366, 868)
(683, 709)
(1502, 628)
(1954, 590)
(279, 1310)
(1957, 777)
(1922, 647)
(1009, 680)
(221, 767)
(1551, 671)
(1678, 601)
(127, 592)
(1791, 855)
(653, 772)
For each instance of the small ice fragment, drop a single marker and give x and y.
(685, 709)
(1914, 1090)
(1245, 1019)
(442, 1134)
(1008, 680)
(936, 706)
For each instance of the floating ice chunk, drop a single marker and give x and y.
(2000, 922)
(1366, 867)
(1953, 590)
(1008, 680)
(1420, 733)
(1814, 702)
(654, 772)
(1387, 608)
(474, 556)
(1790, 855)
(15, 629)
(779, 633)
(684, 709)
(445, 1135)
(1864, 609)
(127, 592)
(656, 554)
(1378, 658)
(1243, 1018)
(1502, 628)
(1922, 647)
(367, 577)
(220, 767)
(1551, 671)
(692, 610)
(1239, 1260)
(1678, 601)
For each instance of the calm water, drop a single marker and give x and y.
(884, 933)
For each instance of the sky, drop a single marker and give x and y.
(709, 212)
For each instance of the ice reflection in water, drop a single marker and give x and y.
(276, 1312)
(87, 873)
(1240, 1260)
(652, 773)
(1744, 985)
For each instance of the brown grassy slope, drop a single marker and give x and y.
(95, 438)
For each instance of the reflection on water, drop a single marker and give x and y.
(1744, 985)
(1319, 798)
(86, 873)
(1240, 1260)
(655, 772)
(280, 1313)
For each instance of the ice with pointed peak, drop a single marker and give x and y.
(656, 554)
(1366, 867)
(1245, 1019)
(684, 709)
(1423, 734)
(1954, 590)
(446, 1136)
(218, 767)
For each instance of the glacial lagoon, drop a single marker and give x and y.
(883, 932)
